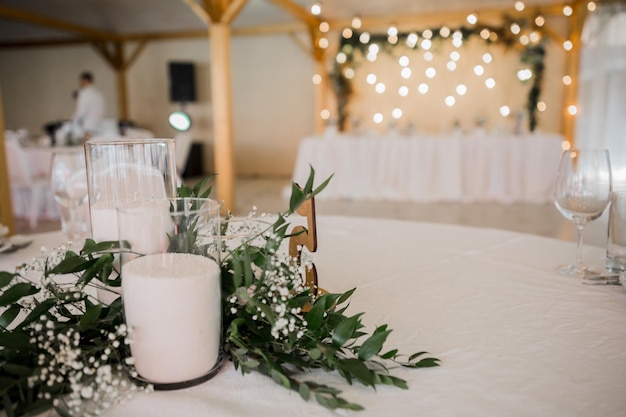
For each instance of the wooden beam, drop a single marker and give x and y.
(6, 206)
(199, 11)
(232, 11)
(215, 9)
(49, 22)
(138, 49)
(297, 11)
(219, 40)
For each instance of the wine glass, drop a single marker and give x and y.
(68, 181)
(582, 192)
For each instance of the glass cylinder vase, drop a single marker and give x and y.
(171, 289)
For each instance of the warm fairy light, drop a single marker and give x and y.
(487, 58)
(455, 55)
(534, 37)
(427, 34)
(404, 60)
(392, 40)
(451, 65)
(461, 89)
(323, 43)
(430, 72)
(325, 114)
(373, 48)
(519, 5)
(406, 73)
(457, 42)
(490, 83)
(572, 110)
(392, 31)
(565, 145)
(356, 22)
(341, 58)
(591, 6)
(471, 19)
(541, 106)
(485, 34)
(567, 80)
(364, 37)
(515, 29)
(316, 8)
(524, 74)
(347, 33)
(568, 45)
(403, 91)
(505, 111)
(380, 88)
(428, 56)
(422, 88)
(317, 79)
(396, 113)
(524, 40)
(493, 36)
(371, 79)
(324, 27)
(444, 32)
(567, 10)
(378, 118)
(540, 20)
(349, 73)
(411, 40)
(450, 100)
(371, 57)
(479, 70)
(426, 44)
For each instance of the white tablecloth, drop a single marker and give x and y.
(515, 338)
(425, 169)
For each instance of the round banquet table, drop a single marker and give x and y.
(514, 337)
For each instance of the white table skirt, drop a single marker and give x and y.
(427, 169)
(515, 338)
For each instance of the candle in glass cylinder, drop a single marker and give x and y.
(172, 302)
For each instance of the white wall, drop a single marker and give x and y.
(272, 94)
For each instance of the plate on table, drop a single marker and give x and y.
(14, 243)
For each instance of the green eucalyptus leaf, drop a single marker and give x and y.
(17, 369)
(280, 378)
(9, 315)
(7, 405)
(345, 329)
(91, 315)
(359, 370)
(309, 182)
(72, 264)
(37, 408)
(14, 340)
(427, 363)
(305, 391)
(92, 247)
(373, 345)
(389, 355)
(6, 382)
(297, 198)
(6, 278)
(16, 292)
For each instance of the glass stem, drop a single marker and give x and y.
(579, 249)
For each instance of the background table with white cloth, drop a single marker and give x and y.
(515, 338)
(495, 168)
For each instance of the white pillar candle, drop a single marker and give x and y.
(172, 302)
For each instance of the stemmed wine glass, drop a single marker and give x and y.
(68, 181)
(582, 192)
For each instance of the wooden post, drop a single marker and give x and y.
(6, 206)
(219, 41)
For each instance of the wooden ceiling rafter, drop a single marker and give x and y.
(232, 10)
(41, 20)
(199, 11)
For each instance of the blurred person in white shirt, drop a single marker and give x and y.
(90, 106)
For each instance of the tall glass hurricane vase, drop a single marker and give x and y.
(581, 194)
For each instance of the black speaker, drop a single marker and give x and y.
(182, 82)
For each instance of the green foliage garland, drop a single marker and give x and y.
(532, 54)
(62, 350)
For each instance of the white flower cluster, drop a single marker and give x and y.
(280, 281)
(95, 384)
